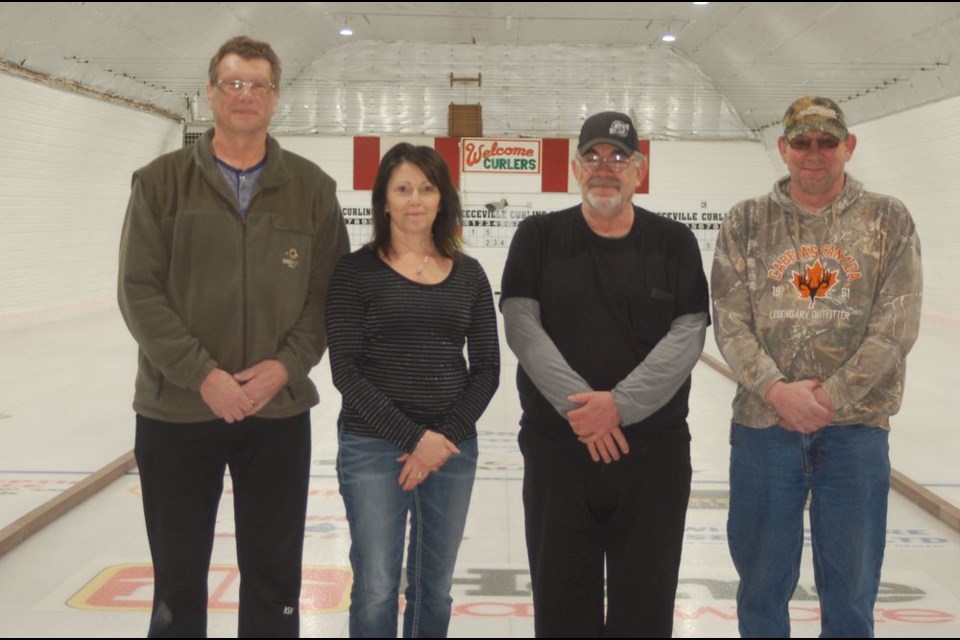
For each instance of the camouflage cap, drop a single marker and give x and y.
(813, 113)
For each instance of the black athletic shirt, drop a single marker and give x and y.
(605, 303)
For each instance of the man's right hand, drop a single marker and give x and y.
(609, 448)
(225, 396)
(798, 408)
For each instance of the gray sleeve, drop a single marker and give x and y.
(655, 380)
(538, 355)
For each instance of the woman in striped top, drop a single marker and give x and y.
(399, 311)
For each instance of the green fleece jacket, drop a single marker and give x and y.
(200, 287)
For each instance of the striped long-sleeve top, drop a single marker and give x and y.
(396, 350)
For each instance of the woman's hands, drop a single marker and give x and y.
(431, 453)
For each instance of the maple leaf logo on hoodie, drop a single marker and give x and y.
(816, 282)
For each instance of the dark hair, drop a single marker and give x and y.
(248, 49)
(447, 226)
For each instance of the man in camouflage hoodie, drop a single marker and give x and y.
(816, 294)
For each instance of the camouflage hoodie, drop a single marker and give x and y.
(834, 296)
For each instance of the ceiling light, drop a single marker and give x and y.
(668, 37)
(345, 30)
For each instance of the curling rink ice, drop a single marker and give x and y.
(88, 574)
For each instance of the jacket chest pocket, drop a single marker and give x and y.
(281, 245)
(279, 251)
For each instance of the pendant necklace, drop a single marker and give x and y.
(422, 265)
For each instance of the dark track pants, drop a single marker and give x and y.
(181, 475)
(628, 514)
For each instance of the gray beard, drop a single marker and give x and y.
(605, 205)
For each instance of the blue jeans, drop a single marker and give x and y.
(846, 472)
(377, 513)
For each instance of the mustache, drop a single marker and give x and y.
(603, 182)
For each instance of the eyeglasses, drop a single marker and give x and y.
(236, 87)
(617, 162)
(800, 143)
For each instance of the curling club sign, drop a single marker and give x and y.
(500, 155)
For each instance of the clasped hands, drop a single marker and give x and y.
(234, 397)
(431, 453)
(802, 406)
(596, 422)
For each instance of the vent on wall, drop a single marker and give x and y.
(465, 121)
(189, 137)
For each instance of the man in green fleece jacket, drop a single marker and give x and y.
(226, 256)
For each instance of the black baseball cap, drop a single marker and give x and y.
(609, 127)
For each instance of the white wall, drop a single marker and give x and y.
(915, 156)
(65, 165)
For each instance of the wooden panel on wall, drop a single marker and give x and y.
(465, 120)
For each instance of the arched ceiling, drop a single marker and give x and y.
(730, 74)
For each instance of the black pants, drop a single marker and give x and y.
(628, 514)
(181, 476)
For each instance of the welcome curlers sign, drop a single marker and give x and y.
(501, 155)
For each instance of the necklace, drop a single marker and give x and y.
(422, 265)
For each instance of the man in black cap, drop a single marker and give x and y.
(605, 305)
